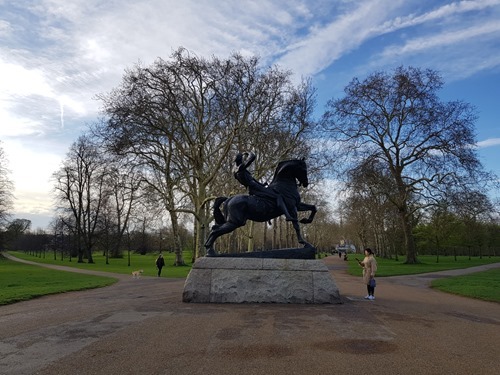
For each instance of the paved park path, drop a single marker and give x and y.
(141, 326)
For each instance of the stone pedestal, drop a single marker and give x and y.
(248, 280)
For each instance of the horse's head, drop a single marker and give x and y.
(295, 168)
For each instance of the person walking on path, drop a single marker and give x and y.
(160, 263)
(369, 265)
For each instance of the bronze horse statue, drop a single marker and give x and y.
(233, 212)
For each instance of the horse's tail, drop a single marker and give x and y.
(218, 215)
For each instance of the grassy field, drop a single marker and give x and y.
(480, 285)
(387, 267)
(118, 265)
(20, 282)
(390, 267)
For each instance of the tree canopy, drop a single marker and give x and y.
(6, 187)
(184, 119)
(170, 132)
(414, 149)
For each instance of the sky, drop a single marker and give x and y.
(56, 56)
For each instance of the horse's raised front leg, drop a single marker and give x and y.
(307, 207)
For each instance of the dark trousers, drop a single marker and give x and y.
(159, 270)
(371, 290)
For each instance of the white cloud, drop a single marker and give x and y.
(358, 26)
(460, 36)
(441, 13)
(16, 80)
(31, 171)
(56, 55)
(15, 125)
(31, 98)
(88, 44)
(471, 50)
(326, 44)
(5, 28)
(489, 143)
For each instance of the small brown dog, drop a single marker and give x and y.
(137, 274)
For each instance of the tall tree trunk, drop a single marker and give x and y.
(79, 246)
(411, 251)
(179, 259)
(199, 239)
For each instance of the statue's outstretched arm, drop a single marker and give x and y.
(248, 160)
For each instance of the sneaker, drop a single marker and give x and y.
(371, 298)
(367, 297)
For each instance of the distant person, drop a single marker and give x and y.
(160, 263)
(369, 265)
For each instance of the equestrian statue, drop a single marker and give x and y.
(263, 202)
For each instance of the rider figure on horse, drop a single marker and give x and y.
(243, 161)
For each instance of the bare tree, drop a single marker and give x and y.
(184, 118)
(124, 191)
(369, 207)
(19, 226)
(15, 230)
(81, 192)
(6, 187)
(425, 145)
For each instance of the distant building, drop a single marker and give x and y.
(346, 248)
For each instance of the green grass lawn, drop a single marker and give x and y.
(391, 267)
(480, 285)
(118, 265)
(20, 282)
